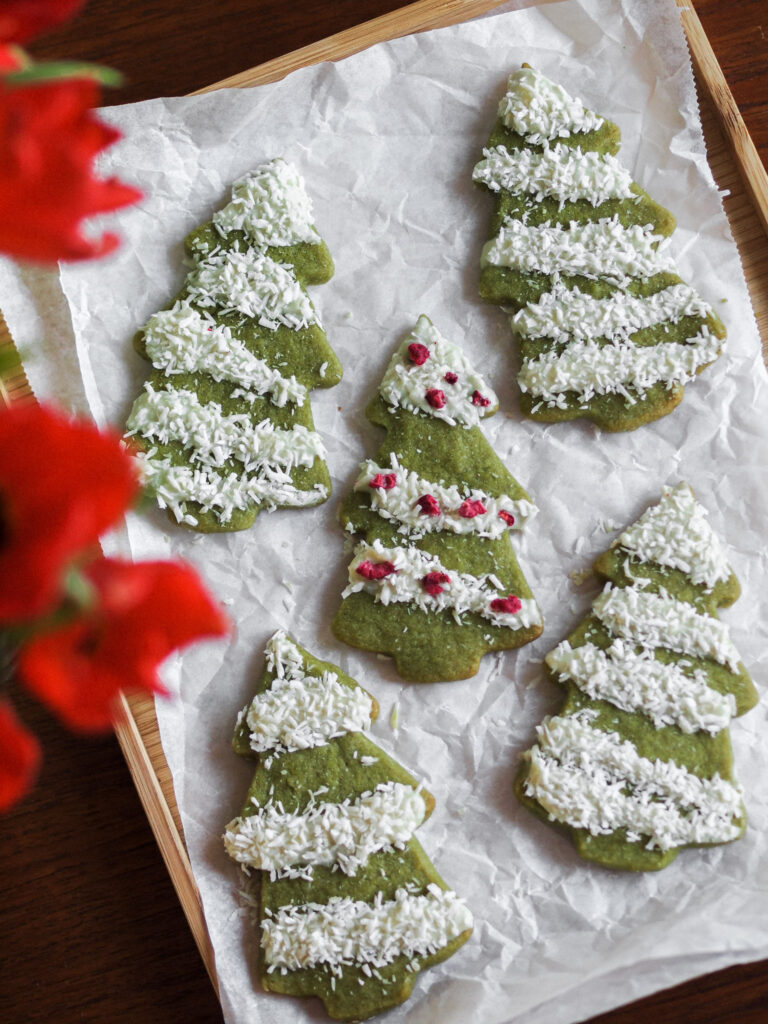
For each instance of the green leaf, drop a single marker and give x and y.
(52, 70)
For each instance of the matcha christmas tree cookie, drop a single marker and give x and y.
(434, 581)
(638, 764)
(579, 254)
(224, 426)
(351, 907)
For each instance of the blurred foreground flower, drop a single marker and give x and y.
(19, 758)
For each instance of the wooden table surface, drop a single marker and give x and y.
(89, 922)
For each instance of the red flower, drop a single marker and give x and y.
(49, 138)
(62, 483)
(20, 20)
(142, 613)
(375, 570)
(19, 758)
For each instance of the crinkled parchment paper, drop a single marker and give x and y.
(386, 141)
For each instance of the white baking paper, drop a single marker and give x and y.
(386, 141)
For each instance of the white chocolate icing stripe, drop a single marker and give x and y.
(568, 314)
(271, 206)
(658, 620)
(346, 931)
(252, 284)
(591, 779)
(587, 369)
(399, 503)
(185, 340)
(213, 438)
(407, 384)
(540, 110)
(174, 486)
(557, 172)
(602, 249)
(638, 682)
(458, 592)
(344, 834)
(675, 533)
(300, 710)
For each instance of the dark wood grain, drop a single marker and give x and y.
(91, 929)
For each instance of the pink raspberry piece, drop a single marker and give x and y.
(510, 604)
(429, 505)
(418, 353)
(384, 481)
(508, 518)
(375, 570)
(435, 397)
(451, 377)
(431, 582)
(469, 509)
(481, 400)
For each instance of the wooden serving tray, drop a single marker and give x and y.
(736, 167)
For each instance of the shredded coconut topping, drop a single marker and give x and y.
(445, 589)
(602, 249)
(302, 710)
(343, 834)
(214, 438)
(271, 206)
(406, 383)
(400, 503)
(675, 533)
(253, 284)
(658, 620)
(540, 110)
(591, 779)
(185, 340)
(636, 681)
(558, 172)
(587, 369)
(346, 931)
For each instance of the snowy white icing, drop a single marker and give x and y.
(458, 509)
(636, 681)
(214, 437)
(675, 533)
(569, 314)
(591, 779)
(346, 931)
(586, 368)
(271, 206)
(345, 834)
(302, 710)
(406, 384)
(602, 249)
(558, 172)
(185, 340)
(540, 110)
(658, 620)
(460, 592)
(174, 486)
(253, 284)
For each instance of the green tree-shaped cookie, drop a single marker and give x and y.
(351, 907)
(638, 762)
(434, 582)
(224, 427)
(607, 329)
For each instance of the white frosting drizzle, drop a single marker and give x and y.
(602, 249)
(540, 110)
(346, 931)
(271, 206)
(588, 369)
(213, 437)
(341, 834)
(591, 779)
(253, 284)
(301, 710)
(568, 314)
(174, 486)
(399, 503)
(559, 172)
(658, 620)
(675, 533)
(185, 340)
(636, 681)
(405, 384)
(461, 592)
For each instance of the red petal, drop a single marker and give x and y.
(19, 758)
(20, 20)
(62, 484)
